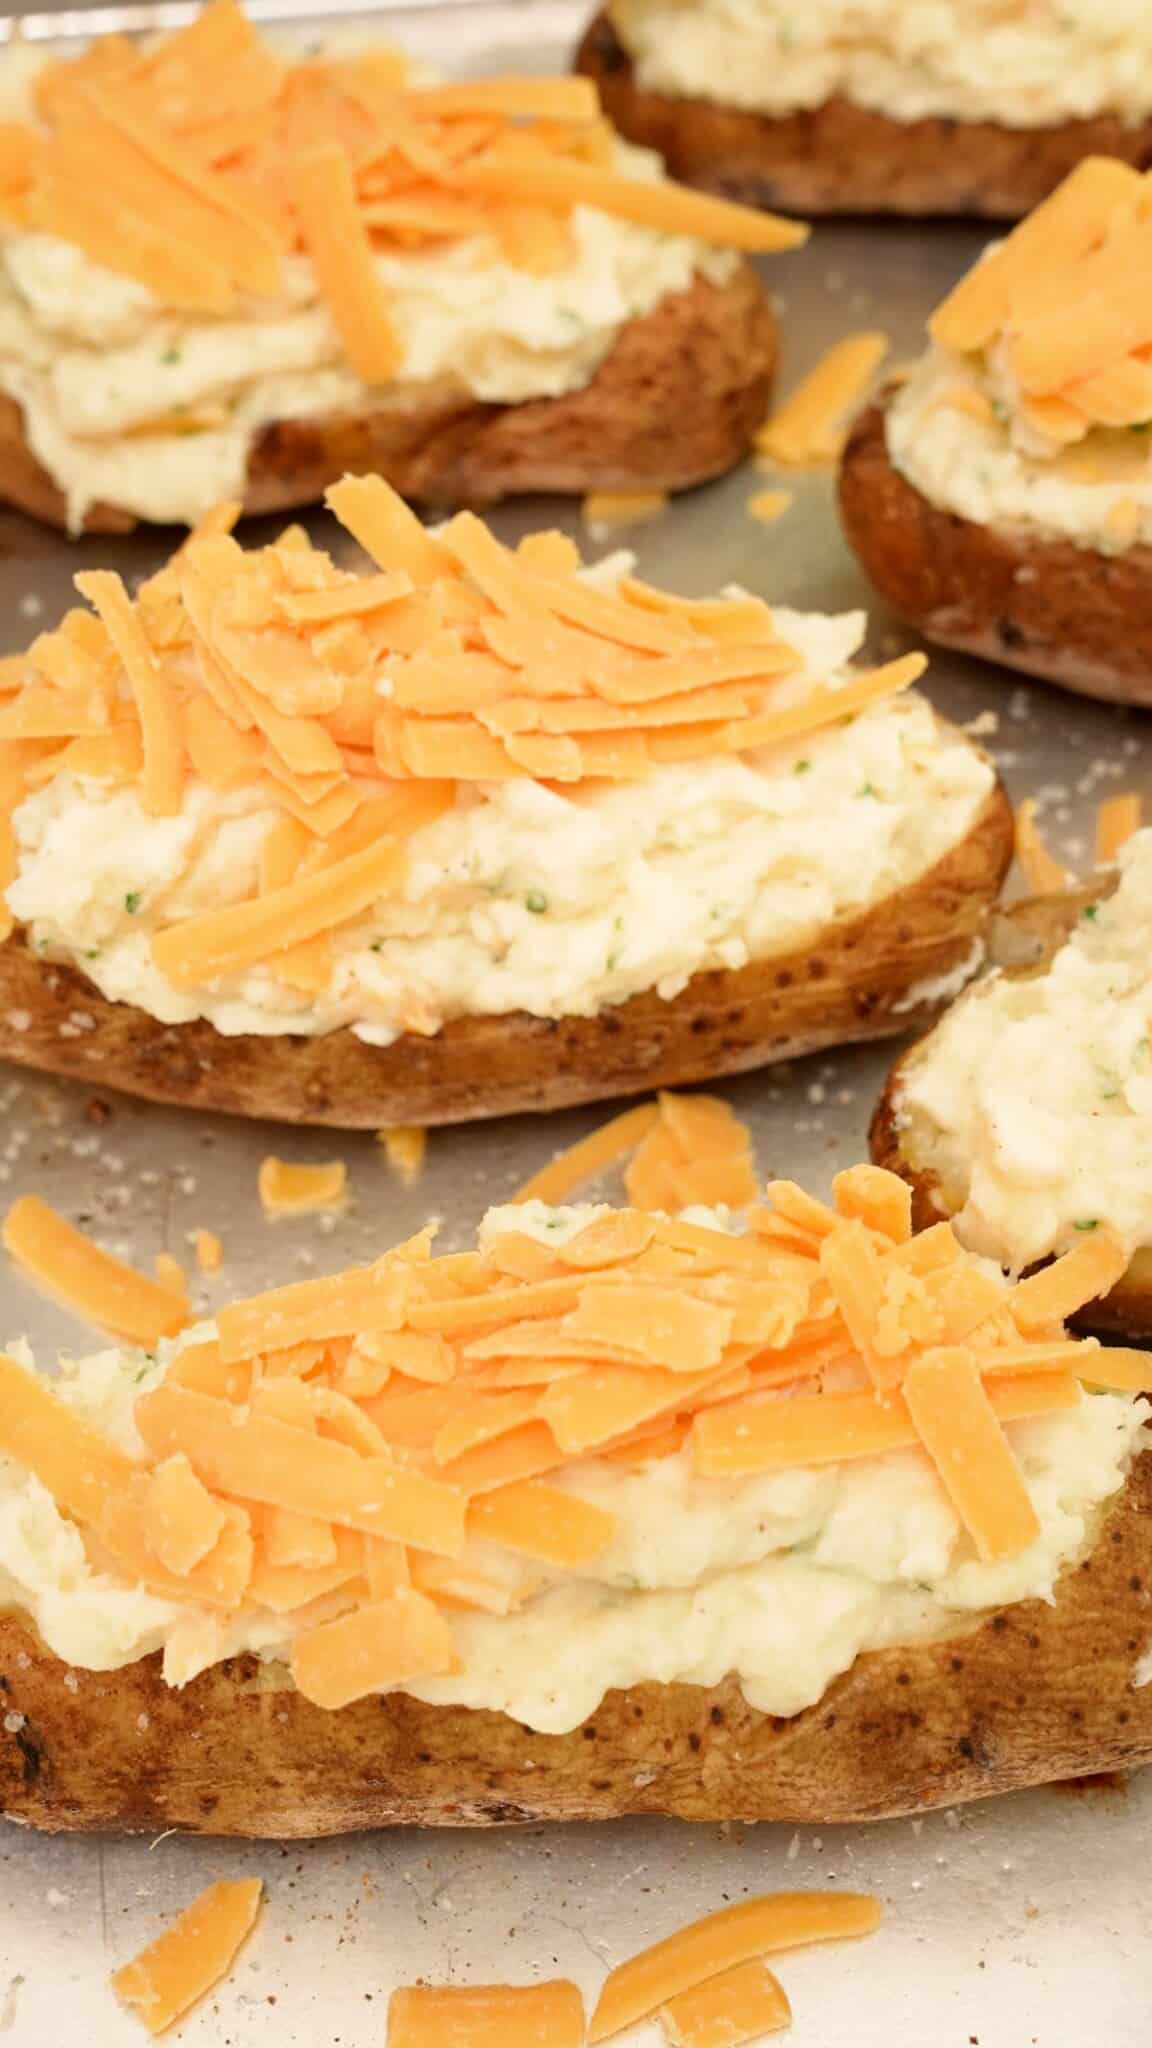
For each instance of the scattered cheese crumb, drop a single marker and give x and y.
(768, 506)
(608, 511)
(209, 1250)
(807, 428)
(404, 1148)
(191, 1956)
(170, 1273)
(288, 1190)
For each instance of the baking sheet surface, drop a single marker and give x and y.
(1021, 1922)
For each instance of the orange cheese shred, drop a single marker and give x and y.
(487, 2016)
(589, 1156)
(1116, 820)
(295, 1190)
(738, 2006)
(404, 1148)
(372, 1649)
(338, 243)
(956, 1423)
(808, 427)
(1042, 871)
(192, 1956)
(90, 1282)
(738, 1934)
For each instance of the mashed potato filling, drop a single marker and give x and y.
(524, 897)
(1033, 1100)
(1024, 63)
(127, 403)
(954, 432)
(781, 1580)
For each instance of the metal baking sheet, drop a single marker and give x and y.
(1024, 1921)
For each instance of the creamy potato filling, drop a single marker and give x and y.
(781, 1579)
(1023, 63)
(954, 431)
(129, 404)
(524, 896)
(1033, 1098)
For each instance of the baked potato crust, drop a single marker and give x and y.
(843, 158)
(1032, 1693)
(703, 357)
(1069, 614)
(857, 982)
(1029, 933)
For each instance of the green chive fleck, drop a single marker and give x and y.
(1090, 913)
(536, 902)
(132, 902)
(170, 355)
(866, 789)
(801, 767)
(1088, 1223)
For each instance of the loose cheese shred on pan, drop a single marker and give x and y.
(191, 1956)
(260, 670)
(1042, 871)
(404, 1148)
(345, 1452)
(89, 1281)
(738, 1934)
(1116, 820)
(766, 507)
(808, 427)
(293, 1190)
(487, 2016)
(209, 1251)
(589, 1156)
(609, 511)
(1055, 299)
(726, 2011)
(221, 159)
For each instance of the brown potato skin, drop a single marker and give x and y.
(1069, 614)
(844, 989)
(702, 359)
(846, 159)
(1028, 1695)
(1030, 933)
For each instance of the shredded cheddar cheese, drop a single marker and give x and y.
(209, 1250)
(766, 507)
(740, 2005)
(90, 1281)
(736, 1935)
(345, 1451)
(184, 1963)
(215, 159)
(1055, 298)
(355, 705)
(808, 427)
(1042, 871)
(287, 1190)
(404, 1148)
(487, 2016)
(1116, 820)
(611, 511)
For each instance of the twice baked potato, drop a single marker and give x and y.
(968, 1169)
(640, 1592)
(471, 289)
(564, 836)
(841, 157)
(1000, 497)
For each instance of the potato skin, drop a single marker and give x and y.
(1069, 614)
(1030, 1694)
(703, 357)
(853, 986)
(1030, 932)
(842, 158)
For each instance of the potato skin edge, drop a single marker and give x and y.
(704, 357)
(1030, 1694)
(840, 158)
(847, 988)
(1047, 608)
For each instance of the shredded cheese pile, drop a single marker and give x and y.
(357, 703)
(198, 163)
(337, 1452)
(1056, 300)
